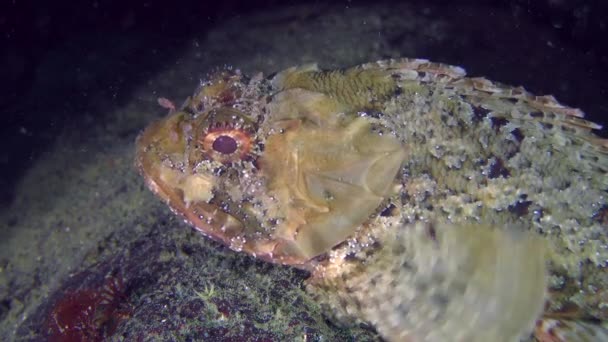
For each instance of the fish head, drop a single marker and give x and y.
(283, 174)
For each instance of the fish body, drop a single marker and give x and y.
(424, 202)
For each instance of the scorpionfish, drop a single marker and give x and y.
(428, 204)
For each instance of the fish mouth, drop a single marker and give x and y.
(160, 160)
(158, 148)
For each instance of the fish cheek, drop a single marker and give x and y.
(330, 180)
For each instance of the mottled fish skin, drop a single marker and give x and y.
(403, 165)
(565, 330)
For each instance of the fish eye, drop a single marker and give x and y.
(226, 143)
(225, 135)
